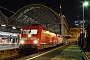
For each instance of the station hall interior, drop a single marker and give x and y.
(11, 27)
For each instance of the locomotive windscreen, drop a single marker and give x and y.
(33, 31)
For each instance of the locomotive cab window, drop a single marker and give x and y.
(25, 32)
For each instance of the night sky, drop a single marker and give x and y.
(72, 9)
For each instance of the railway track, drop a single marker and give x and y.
(24, 55)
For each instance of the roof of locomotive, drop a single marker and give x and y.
(32, 27)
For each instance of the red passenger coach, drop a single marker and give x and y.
(35, 38)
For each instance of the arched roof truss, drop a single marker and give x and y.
(36, 14)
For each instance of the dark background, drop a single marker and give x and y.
(72, 9)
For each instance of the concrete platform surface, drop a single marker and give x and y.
(8, 47)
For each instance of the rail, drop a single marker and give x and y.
(85, 56)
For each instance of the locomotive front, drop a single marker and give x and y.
(29, 39)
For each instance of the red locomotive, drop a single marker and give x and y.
(35, 38)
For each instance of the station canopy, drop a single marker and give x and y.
(36, 14)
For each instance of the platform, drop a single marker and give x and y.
(72, 52)
(7, 51)
(8, 47)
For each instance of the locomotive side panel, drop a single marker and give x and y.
(48, 39)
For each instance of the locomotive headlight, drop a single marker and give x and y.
(29, 35)
(35, 41)
(22, 42)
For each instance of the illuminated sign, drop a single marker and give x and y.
(77, 22)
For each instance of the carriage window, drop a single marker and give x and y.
(33, 31)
